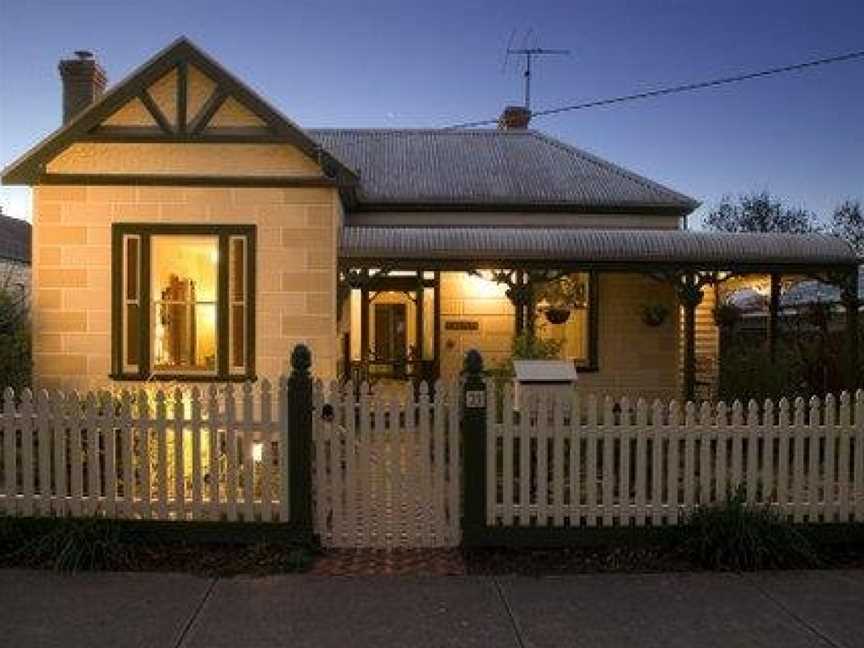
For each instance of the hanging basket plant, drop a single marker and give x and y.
(558, 298)
(557, 315)
(726, 315)
(654, 314)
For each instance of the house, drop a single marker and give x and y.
(14, 255)
(185, 230)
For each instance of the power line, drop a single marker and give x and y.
(676, 89)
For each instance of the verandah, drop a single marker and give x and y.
(523, 259)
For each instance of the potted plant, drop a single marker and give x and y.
(726, 314)
(559, 297)
(654, 314)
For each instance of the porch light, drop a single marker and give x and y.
(480, 284)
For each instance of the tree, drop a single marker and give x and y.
(760, 212)
(847, 222)
(15, 362)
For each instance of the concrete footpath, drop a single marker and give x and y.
(788, 609)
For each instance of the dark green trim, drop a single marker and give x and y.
(222, 315)
(213, 103)
(155, 112)
(593, 324)
(114, 179)
(826, 535)
(26, 170)
(116, 302)
(146, 231)
(252, 282)
(436, 307)
(186, 378)
(473, 433)
(182, 84)
(533, 207)
(576, 265)
(154, 532)
(299, 398)
(154, 135)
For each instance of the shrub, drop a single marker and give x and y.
(67, 545)
(747, 371)
(528, 346)
(15, 359)
(738, 536)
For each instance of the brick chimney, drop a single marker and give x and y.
(514, 118)
(84, 82)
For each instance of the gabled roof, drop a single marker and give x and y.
(182, 52)
(14, 239)
(490, 169)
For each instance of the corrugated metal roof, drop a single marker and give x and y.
(14, 239)
(488, 167)
(583, 245)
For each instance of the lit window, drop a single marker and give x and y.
(570, 317)
(183, 272)
(183, 306)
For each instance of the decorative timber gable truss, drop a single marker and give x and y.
(180, 95)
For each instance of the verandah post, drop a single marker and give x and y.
(852, 303)
(299, 437)
(689, 290)
(473, 424)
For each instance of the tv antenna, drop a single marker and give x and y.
(529, 53)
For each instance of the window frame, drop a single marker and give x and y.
(120, 232)
(593, 364)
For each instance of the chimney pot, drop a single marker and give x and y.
(514, 118)
(84, 83)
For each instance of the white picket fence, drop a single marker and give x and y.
(561, 462)
(216, 455)
(388, 470)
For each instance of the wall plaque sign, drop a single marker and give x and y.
(462, 325)
(475, 399)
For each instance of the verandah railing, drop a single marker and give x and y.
(183, 455)
(556, 462)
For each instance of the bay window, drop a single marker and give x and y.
(183, 302)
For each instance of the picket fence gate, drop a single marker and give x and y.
(177, 456)
(387, 470)
(559, 462)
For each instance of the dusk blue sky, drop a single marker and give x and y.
(431, 64)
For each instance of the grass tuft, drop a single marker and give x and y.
(75, 544)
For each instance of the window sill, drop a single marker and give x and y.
(184, 378)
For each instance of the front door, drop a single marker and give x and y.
(391, 338)
(394, 328)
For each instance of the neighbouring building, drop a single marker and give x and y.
(14, 255)
(185, 230)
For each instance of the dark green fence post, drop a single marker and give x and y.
(474, 445)
(299, 399)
